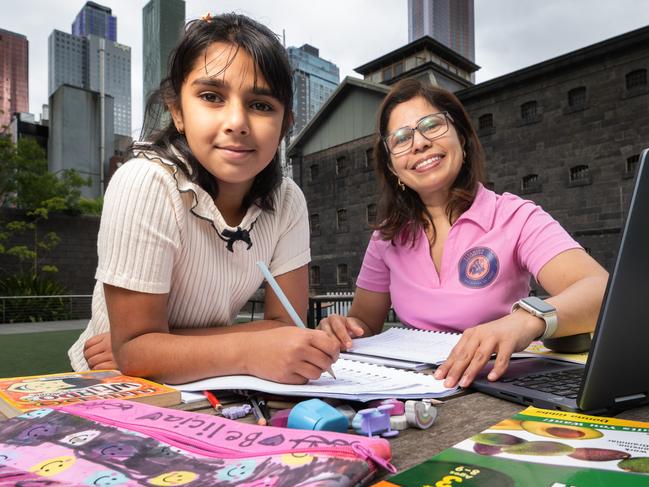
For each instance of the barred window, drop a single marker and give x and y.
(342, 274)
(486, 121)
(314, 275)
(314, 172)
(636, 79)
(529, 110)
(577, 97)
(314, 220)
(579, 174)
(632, 164)
(340, 165)
(530, 183)
(341, 220)
(371, 214)
(369, 157)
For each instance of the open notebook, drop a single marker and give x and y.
(430, 347)
(355, 381)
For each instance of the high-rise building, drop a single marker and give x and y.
(314, 80)
(75, 61)
(162, 25)
(14, 85)
(97, 20)
(450, 22)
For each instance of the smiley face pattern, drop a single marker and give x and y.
(64, 449)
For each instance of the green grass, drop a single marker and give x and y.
(36, 353)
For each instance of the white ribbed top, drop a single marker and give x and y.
(158, 234)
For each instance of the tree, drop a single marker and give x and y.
(26, 184)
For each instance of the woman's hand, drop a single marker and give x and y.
(289, 354)
(503, 337)
(98, 352)
(343, 329)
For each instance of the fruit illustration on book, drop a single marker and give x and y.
(565, 432)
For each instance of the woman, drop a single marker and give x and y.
(451, 255)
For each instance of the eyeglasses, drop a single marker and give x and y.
(430, 127)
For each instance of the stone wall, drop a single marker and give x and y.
(75, 256)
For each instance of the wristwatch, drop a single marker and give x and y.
(543, 310)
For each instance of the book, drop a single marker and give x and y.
(357, 381)
(426, 346)
(539, 447)
(22, 394)
(537, 349)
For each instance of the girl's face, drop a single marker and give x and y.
(429, 167)
(232, 126)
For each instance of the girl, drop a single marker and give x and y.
(187, 218)
(451, 255)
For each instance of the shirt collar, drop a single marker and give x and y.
(483, 209)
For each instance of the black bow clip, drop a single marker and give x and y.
(239, 234)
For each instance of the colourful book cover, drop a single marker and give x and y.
(22, 394)
(539, 447)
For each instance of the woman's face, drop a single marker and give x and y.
(232, 126)
(429, 167)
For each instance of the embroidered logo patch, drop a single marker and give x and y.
(478, 267)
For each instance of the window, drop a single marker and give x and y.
(371, 214)
(398, 68)
(636, 79)
(631, 165)
(314, 221)
(579, 175)
(387, 73)
(369, 157)
(340, 165)
(342, 274)
(529, 111)
(314, 172)
(531, 184)
(314, 275)
(577, 97)
(486, 121)
(341, 220)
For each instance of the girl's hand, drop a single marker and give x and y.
(289, 354)
(503, 337)
(98, 352)
(342, 328)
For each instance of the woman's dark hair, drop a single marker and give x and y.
(402, 213)
(271, 62)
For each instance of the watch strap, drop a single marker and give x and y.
(551, 320)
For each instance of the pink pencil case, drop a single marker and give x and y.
(123, 443)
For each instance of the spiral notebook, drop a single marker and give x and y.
(426, 346)
(354, 381)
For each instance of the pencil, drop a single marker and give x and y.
(213, 400)
(262, 420)
(284, 300)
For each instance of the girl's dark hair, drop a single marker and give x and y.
(271, 62)
(402, 213)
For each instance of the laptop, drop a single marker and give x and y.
(615, 377)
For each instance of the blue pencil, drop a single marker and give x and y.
(284, 300)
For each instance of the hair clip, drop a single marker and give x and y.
(207, 17)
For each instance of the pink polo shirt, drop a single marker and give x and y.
(489, 254)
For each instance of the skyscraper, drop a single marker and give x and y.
(97, 20)
(314, 79)
(75, 61)
(450, 22)
(162, 25)
(14, 84)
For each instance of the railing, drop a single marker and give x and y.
(323, 305)
(21, 309)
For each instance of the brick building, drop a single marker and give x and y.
(565, 133)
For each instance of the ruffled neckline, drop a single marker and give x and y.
(203, 205)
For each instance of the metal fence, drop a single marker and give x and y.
(25, 309)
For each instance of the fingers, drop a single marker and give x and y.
(96, 340)
(341, 328)
(466, 359)
(501, 363)
(102, 360)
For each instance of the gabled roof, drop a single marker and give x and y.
(415, 46)
(332, 102)
(590, 53)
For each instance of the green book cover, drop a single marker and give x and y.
(539, 447)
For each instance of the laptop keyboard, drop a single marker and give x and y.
(564, 383)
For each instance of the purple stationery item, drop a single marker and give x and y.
(399, 406)
(236, 412)
(280, 418)
(374, 421)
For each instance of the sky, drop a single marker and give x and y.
(509, 34)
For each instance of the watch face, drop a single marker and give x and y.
(539, 305)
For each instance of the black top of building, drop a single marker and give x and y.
(417, 46)
(594, 52)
